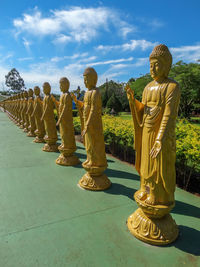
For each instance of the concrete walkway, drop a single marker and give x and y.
(47, 220)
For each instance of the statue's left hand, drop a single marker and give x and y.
(156, 149)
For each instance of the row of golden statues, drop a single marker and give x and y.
(154, 122)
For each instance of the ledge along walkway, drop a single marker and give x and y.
(47, 220)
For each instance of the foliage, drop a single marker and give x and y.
(114, 103)
(118, 135)
(139, 85)
(108, 89)
(14, 81)
(188, 77)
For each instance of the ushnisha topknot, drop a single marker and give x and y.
(162, 52)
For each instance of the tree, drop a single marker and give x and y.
(14, 81)
(105, 95)
(139, 84)
(188, 77)
(114, 103)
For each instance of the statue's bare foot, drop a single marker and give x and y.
(141, 194)
(150, 200)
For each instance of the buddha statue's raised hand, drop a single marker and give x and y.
(129, 91)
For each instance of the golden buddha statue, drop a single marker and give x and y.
(96, 162)
(155, 145)
(65, 122)
(79, 106)
(19, 110)
(24, 122)
(37, 114)
(49, 121)
(32, 126)
(26, 117)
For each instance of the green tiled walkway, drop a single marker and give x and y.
(47, 220)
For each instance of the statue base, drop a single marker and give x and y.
(155, 231)
(69, 160)
(39, 140)
(95, 182)
(31, 134)
(50, 148)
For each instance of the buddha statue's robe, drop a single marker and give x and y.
(49, 119)
(32, 126)
(66, 123)
(155, 119)
(37, 113)
(94, 138)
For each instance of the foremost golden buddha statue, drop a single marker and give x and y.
(37, 114)
(32, 126)
(49, 121)
(65, 122)
(96, 162)
(155, 145)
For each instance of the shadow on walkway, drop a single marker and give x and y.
(188, 241)
(121, 174)
(186, 209)
(119, 189)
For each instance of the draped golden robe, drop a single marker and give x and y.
(155, 119)
(66, 123)
(49, 119)
(94, 138)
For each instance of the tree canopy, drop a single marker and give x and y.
(14, 81)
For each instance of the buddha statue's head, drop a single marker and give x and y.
(46, 88)
(160, 62)
(37, 90)
(90, 78)
(25, 94)
(30, 92)
(64, 84)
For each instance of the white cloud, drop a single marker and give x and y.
(25, 58)
(26, 44)
(3, 71)
(74, 24)
(62, 39)
(130, 46)
(82, 57)
(107, 62)
(6, 57)
(186, 53)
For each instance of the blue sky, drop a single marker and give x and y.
(46, 40)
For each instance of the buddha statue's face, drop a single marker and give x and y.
(37, 91)
(30, 92)
(25, 94)
(89, 80)
(64, 85)
(157, 69)
(46, 88)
